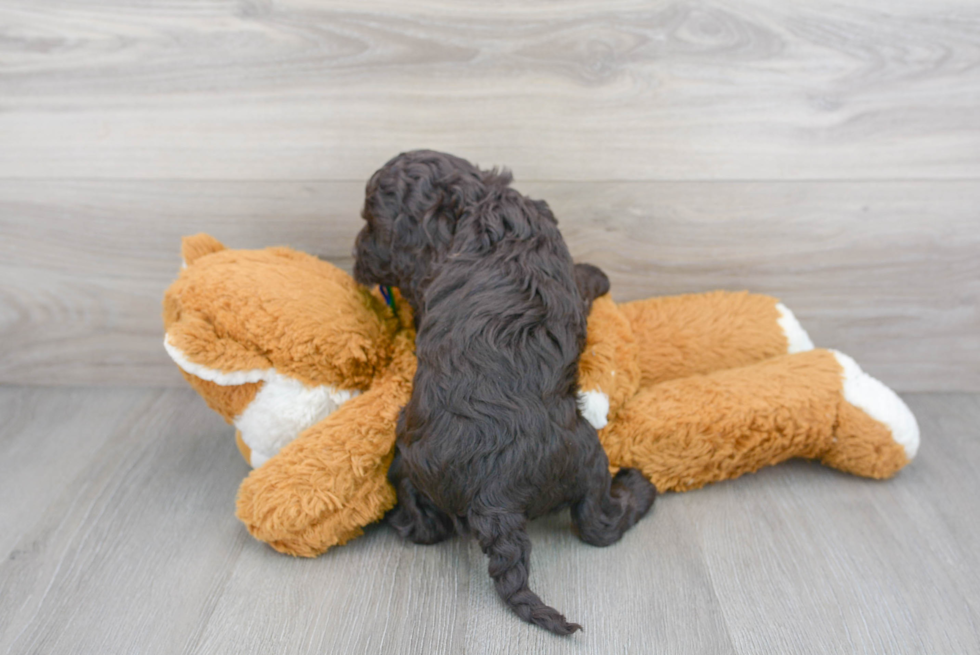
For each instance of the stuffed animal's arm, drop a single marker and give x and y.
(324, 487)
(685, 433)
(609, 372)
(677, 336)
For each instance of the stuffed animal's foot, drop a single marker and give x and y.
(876, 433)
(797, 339)
(296, 517)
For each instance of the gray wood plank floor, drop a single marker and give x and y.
(117, 536)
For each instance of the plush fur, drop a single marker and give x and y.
(492, 435)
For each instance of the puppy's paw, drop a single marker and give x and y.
(632, 486)
(420, 524)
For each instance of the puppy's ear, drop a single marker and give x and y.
(417, 244)
(591, 282)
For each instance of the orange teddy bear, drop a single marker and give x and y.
(312, 370)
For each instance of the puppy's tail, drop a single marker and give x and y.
(503, 537)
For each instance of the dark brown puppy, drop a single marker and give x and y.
(492, 436)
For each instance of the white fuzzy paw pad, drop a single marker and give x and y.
(880, 403)
(797, 340)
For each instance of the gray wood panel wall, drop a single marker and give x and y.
(825, 153)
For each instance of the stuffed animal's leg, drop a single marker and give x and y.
(677, 336)
(321, 489)
(688, 432)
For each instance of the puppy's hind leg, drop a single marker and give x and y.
(503, 537)
(610, 506)
(415, 517)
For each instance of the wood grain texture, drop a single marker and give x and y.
(625, 90)
(886, 272)
(824, 152)
(41, 448)
(128, 553)
(131, 546)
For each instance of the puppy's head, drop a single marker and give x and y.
(411, 207)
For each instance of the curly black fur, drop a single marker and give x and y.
(492, 436)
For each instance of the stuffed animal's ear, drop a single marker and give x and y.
(198, 245)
